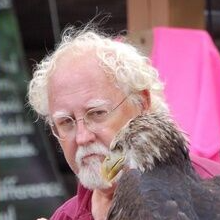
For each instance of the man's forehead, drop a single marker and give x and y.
(92, 103)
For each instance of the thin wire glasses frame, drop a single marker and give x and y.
(94, 119)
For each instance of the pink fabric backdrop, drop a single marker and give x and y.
(189, 65)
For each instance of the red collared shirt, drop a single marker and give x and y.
(79, 207)
(76, 208)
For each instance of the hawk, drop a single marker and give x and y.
(150, 161)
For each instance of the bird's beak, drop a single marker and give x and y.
(112, 165)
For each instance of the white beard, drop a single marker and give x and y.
(90, 172)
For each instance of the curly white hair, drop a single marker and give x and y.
(130, 70)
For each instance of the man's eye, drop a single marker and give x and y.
(99, 112)
(97, 115)
(64, 122)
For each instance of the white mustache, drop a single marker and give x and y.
(95, 148)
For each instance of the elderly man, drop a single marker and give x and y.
(87, 89)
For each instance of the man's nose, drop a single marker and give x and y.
(83, 135)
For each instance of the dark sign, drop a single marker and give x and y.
(29, 184)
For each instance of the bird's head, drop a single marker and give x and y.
(143, 143)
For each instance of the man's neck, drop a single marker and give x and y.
(101, 202)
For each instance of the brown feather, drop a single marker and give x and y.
(167, 187)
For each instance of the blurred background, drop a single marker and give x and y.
(34, 177)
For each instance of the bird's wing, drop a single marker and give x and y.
(206, 198)
(160, 194)
(213, 184)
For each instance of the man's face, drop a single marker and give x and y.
(76, 87)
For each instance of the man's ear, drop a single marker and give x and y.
(146, 100)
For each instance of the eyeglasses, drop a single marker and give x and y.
(95, 119)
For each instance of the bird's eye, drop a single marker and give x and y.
(119, 147)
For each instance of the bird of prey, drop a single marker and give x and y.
(150, 161)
